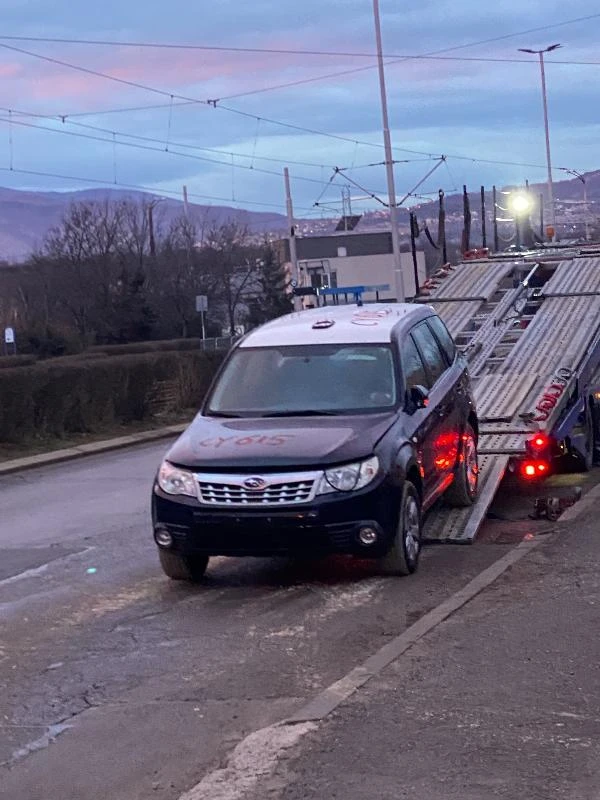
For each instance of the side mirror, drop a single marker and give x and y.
(419, 397)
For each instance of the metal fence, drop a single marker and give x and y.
(218, 343)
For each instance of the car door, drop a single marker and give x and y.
(422, 427)
(443, 434)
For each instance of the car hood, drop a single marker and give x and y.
(211, 443)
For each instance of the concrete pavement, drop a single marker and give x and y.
(501, 700)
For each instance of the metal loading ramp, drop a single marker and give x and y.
(513, 356)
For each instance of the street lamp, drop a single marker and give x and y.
(520, 204)
(540, 54)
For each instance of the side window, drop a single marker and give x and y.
(443, 336)
(430, 350)
(412, 365)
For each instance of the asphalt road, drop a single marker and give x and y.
(116, 683)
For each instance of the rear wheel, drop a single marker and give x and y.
(182, 568)
(403, 556)
(463, 490)
(583, 462)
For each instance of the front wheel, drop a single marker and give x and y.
(182, 568)
(463, 489)
(403, 556)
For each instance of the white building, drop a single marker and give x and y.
(353, 259)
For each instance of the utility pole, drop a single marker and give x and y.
(585, 200)
(442, 227)
(389, 161)
(292, 237)
(151, 229)
(186, 209)
(414, 232)
(483, 220)
(540, 54)
(495, 202)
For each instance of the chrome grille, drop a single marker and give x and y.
(279, 489)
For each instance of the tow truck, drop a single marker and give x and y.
(529, 327)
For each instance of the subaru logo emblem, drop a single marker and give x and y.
(255, 484)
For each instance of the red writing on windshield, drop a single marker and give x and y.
(244, 441)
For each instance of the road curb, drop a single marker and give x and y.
(94, 448)
(337, 693)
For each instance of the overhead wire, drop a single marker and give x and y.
(271, 50)
(147, 147)
(217, 104)
(140, 187)
(290, 126)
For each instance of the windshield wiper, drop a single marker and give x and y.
(304, 412)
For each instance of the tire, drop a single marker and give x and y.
(182, 568)
(587, 463)
(584, 463)
(462, 492)
(403, 556)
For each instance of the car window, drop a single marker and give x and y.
(336, 378)
(443, 336)
(412, 365)
(430, 350)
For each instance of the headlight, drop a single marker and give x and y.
(350, 477)
(176, 481)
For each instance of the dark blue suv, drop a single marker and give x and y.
(325, 431)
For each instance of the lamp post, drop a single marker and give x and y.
(540, 54)
(389, 161)
(520, 204)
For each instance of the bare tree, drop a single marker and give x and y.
(234, 266)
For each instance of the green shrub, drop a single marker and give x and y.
(9, 362)
(147, 347)
(74, 395)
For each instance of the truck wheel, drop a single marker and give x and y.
(403, 556)
(463, 490)
(182, 568)
(585, 462)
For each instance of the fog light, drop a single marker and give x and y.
(367, 535)
(163, 538)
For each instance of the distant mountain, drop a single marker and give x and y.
(26, 217)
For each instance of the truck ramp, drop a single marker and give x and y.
(530, 330)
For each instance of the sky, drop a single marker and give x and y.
(65, 128)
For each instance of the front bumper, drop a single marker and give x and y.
(329, 524)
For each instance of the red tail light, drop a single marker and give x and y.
(539, 442)
(535, 469)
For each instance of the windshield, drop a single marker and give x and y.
(310, 379)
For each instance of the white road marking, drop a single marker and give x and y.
(254, 758)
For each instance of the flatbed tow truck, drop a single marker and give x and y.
(529, 327)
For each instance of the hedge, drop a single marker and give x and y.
(51, 399)
(147, 347)
(10, 362)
